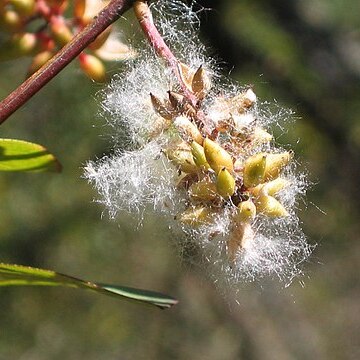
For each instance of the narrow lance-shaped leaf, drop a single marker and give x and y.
(19, 155)
(18, 275)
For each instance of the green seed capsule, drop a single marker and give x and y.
(254, 170)
(217, 157)
(225, 183)
(182, 159)
(199, 155)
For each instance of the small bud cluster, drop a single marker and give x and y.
(201, 152)
(220, 166)
(38, 28)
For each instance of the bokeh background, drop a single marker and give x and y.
(305, 54)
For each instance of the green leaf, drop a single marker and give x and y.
(19, 155)
(17, 275)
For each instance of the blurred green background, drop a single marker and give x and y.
(306, 55)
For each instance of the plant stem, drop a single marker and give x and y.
(60, 60)
(144, 16)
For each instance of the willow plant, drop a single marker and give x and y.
(196, 147)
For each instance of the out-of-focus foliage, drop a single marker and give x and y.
(19, 275)
(20, 155)
(303, 53)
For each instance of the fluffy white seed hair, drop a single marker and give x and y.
(137, 177)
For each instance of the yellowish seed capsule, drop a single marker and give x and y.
(182, 159)
(275, 163)
(101, 39)
(61, 32)
(203, 191)
(188, 129)
(23, 7)
(199, 155)
(269, 206)
(270, 188)
(39, 60)
(254, 170)
(217, 157)
(246, 211)
(225, 183)
(10, 20)
(79, 8)
(273, 187)
(19, 45)
(196, 216)
(93, 67)
(201, 83)
(161, 108)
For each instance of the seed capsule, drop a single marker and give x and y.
(176, 100)
(21, 44)
(188, 129)
(186, 74)
(225, 183)
(274, 186)
(10, 20)
(270, 188)
(93, 67)
(254, 170)
(23, 7)
(199, 155)
(101, 39)
(217, 157)
(269, 206)
(196, 216)
(161, 108)
(275, 163)
(39, 60)
(246, 211)
(61, 32)
(201, 83)
(203, 191)
(182, 159)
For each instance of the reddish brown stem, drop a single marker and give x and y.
(69, 52)
(143, 14)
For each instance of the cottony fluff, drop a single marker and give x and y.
(209, 163)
